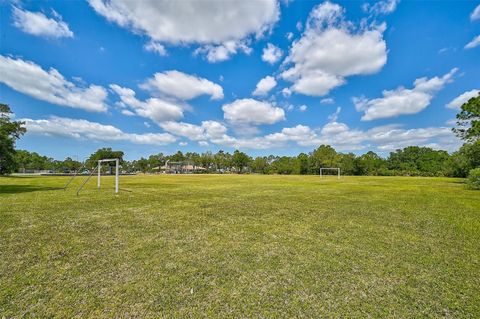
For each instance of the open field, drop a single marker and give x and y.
(240, 246)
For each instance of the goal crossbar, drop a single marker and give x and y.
(330, 168)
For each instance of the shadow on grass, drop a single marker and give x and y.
(14, 189)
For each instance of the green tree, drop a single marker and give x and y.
(10, 132)
(260, 165)
(464, 160)
(142, 165)
(177, 157)
(415, 160)
(347, 163)
(302, 164)
(369, 164)
(103, 153)
(70, 164)
(240, 161)
(156, 160)
(324, 156)
(284, 165)
(469, 120)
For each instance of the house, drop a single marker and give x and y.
(184, 167)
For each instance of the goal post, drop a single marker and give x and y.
(330, 169)
(117, 163)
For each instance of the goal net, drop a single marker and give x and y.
(330, 171)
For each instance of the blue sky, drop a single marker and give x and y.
(265, 77)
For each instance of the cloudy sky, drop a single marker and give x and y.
(266, 77)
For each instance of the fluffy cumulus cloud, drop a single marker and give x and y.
(86, 130)
(155, 109)
(271, 54)
(182, 86)
(457, 102)
(29, 78)
(332, 49)
(252, 112)
(474, 43)
(39, 24)
(265, 85)
(402, 101)
(206, 131)
(211, 23)
(475, 14)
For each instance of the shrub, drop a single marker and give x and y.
(473, 179)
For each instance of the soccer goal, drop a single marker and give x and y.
(99, 173)
(330, 169)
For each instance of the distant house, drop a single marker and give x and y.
(179, 168)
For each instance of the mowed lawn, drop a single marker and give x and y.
(240, 246)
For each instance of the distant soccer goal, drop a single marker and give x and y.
(328, 169)
(99, 170)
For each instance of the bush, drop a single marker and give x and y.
(473, 179)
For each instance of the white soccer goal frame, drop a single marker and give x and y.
(117, 163)
(330, 168)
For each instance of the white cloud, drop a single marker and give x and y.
(271, 54)
(286, 92)
(303, 108)
(191, 131)
(156, 47)
(331, 50)
(252, 112)
(86, 130)
(299, 26)
(382, 7)
(183, 144)
(327, 100)
(475, 14)
(474, 43)
(264, 86)
(383, 138)
(463, 98)
(182, 86)
(391, 137)
(334, 116)
(401, 100)
(207, 130)
(224, 51)
(38, 24)
(29, 78)
(289, 36)
(155, 109)
(193, 22)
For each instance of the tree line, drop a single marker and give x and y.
(409, 161)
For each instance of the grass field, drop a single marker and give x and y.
(240, 246)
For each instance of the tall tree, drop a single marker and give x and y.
(469, 120)
(240, 160)
(324, 156)
(103, 153)
(10, 132)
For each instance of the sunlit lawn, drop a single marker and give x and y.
(240, 246)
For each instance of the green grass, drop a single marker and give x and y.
(240, 246)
